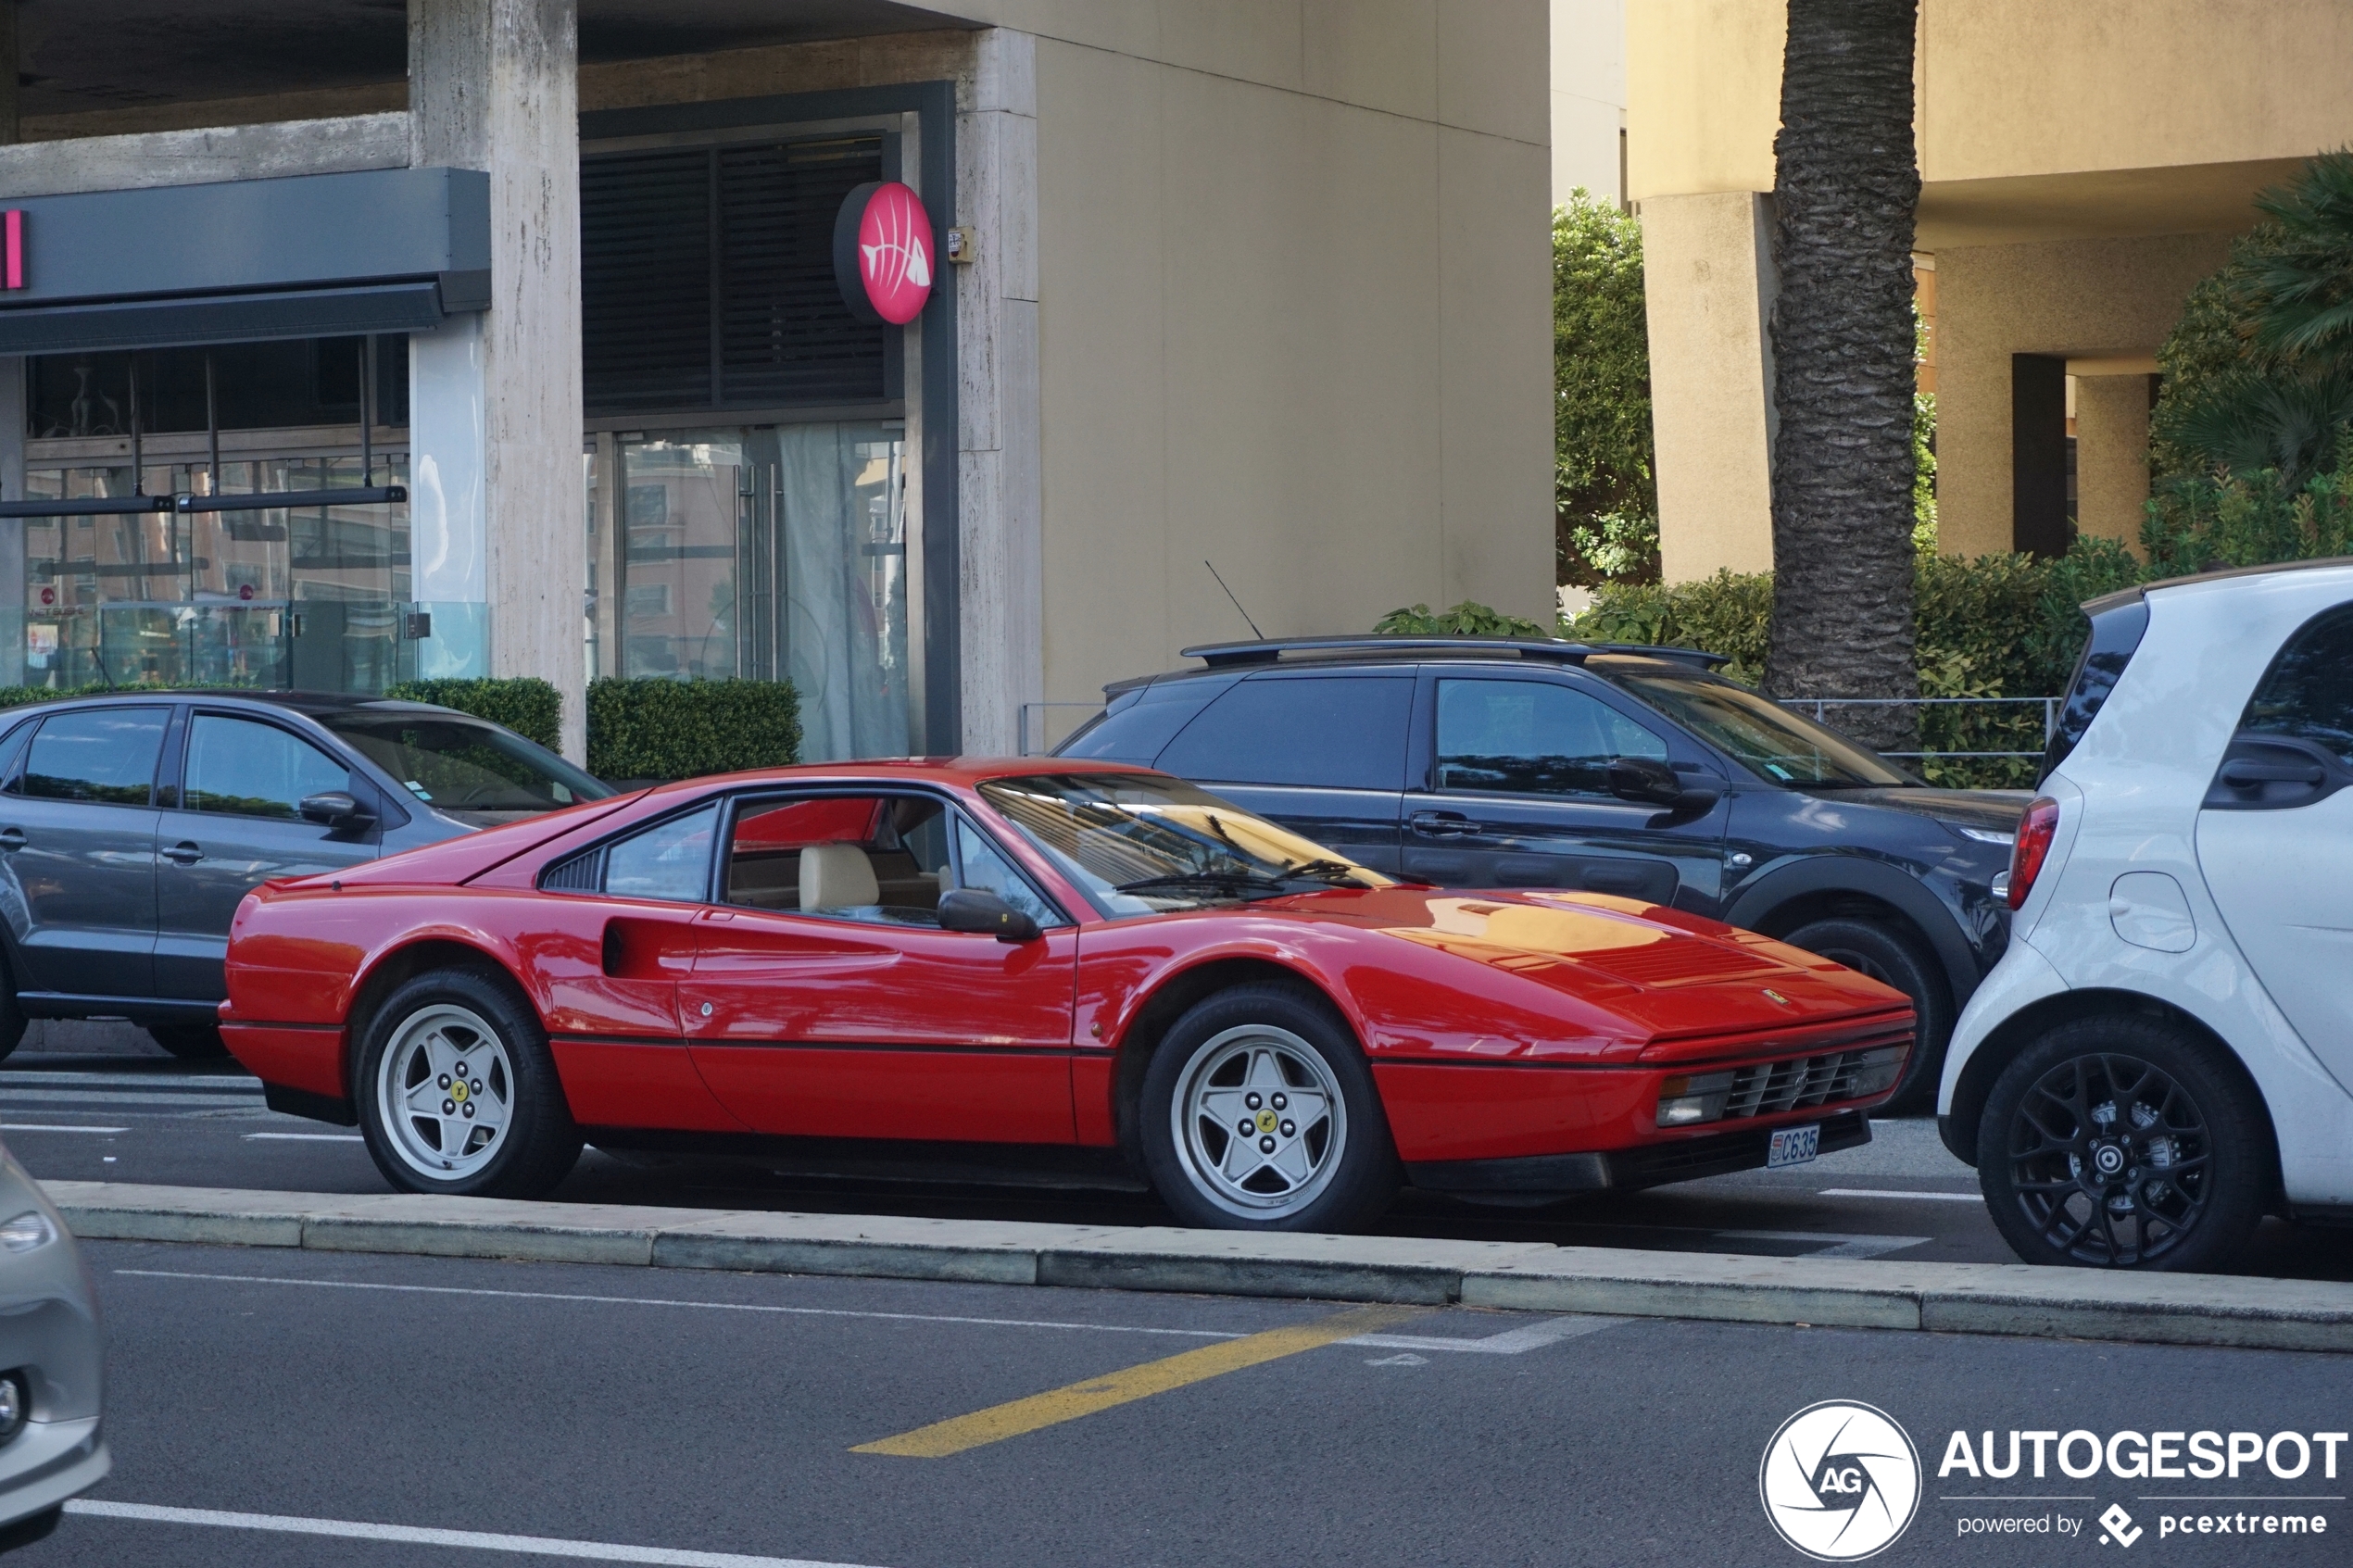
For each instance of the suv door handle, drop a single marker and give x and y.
(1443, 824)
(183, 854)
(11, 840)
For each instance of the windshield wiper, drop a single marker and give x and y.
(1203, 879)
(1328, 870)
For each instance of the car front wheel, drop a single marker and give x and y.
(1258, 1113)
(2119, 1143)
(1896, 960)
(458, 1092)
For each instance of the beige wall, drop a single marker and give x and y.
(1587, 97)
(2073, 299)
(1298, 329)
(2111, 455)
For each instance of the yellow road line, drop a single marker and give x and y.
(999, 1421)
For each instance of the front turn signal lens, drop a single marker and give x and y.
(27, 1231)
(2036, 830)
(1685, 1102)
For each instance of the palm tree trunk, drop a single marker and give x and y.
(1844, 187)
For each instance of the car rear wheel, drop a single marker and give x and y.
(1258, 1113)
(2119, 1143)
(1893, 960)
(189, 1042)
(458, 1092)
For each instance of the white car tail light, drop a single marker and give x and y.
(2036, 830)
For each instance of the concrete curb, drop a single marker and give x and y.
(2010, 1298)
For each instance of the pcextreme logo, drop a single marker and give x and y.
(1840, 1481)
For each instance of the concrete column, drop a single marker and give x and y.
(1708, 267)
(2111, 455)
(1000, 471)
(493, 84)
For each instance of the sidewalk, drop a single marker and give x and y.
(1942, 1298)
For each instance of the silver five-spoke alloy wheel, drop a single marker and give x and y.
(446, 1088)
(1260, 1122)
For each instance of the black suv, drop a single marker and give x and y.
(131, 825)
(1488, 762)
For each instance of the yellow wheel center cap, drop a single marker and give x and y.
(1266, 1120)
(458, 1093)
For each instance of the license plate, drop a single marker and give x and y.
(1793, 1145)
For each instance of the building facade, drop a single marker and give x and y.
(504, 337)
(2081, 168)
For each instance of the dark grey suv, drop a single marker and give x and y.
(133, 824)
(1477, 762)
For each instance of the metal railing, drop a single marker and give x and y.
(1044, 745)
(1819, 707)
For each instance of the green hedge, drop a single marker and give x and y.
(525, 704)
(659, 729)
(2004, 625)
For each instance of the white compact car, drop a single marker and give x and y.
(2165, 1052)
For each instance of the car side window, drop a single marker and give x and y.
(1336, 732)
(878, 859)
(101, 754)
(1533, 737)
(670, 861)
(983, 868)
(2307, 693)
(244, 767)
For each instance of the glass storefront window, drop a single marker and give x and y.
(311, 598)
(775, 552)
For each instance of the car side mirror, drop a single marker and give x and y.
(985, 914)
(1646, 781)
(334, 809)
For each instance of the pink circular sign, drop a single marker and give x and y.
(887, 272)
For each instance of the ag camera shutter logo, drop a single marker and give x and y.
(1840, 1481)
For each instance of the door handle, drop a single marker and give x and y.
(11, 840)
(2244, 772)
(183, 854)
(1441, 825)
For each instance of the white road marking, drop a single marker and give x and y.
(1510, 1342)
(122, 1098)
(1407, 1360)
(132, 1079)
(305, 1138)
(481, 1541)
(1924, 1197)
(1835, 1245)
(53, 1127)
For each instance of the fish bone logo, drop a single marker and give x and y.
(1840, 1481)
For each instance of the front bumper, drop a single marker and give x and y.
(48, 1463)
(1713, 1154)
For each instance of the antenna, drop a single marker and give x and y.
(1237, 603)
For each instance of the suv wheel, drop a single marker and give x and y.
(2119, 1143)
(458, 1093)
(1897, 960)
(1258, 1113)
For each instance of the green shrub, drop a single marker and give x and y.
(16, 697)
(1468, 619)
(2196, 520)
(1999, 626)
(1604, 500)
(524, 704)
(662, 729)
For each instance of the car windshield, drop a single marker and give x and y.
(1144, 843)
(464, 768)
(1772, 741)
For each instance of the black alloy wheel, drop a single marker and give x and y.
(2119, 1143)
(1869, 947)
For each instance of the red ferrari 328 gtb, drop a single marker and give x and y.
(1026, 952)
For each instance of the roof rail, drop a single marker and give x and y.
(1660, 651)
(1223, 656)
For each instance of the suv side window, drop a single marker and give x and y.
(2307, 693)
(102, 755)
(1533, 737)
(248, 769)
(1333, 732)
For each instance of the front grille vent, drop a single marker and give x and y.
(1803, 1082)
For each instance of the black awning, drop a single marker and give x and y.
(407, 307)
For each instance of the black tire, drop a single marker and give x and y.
(1895, 959)
(2049, 1125)
(12, 1018)
(1352, 1172)
(189, 1042)
(537, 1144)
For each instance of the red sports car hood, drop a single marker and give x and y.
(1671, 975)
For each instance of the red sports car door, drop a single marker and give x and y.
(823, 1002)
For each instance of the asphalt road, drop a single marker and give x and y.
(666, 1412)
(94, 1102)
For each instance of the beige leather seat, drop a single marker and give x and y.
(837, 876)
